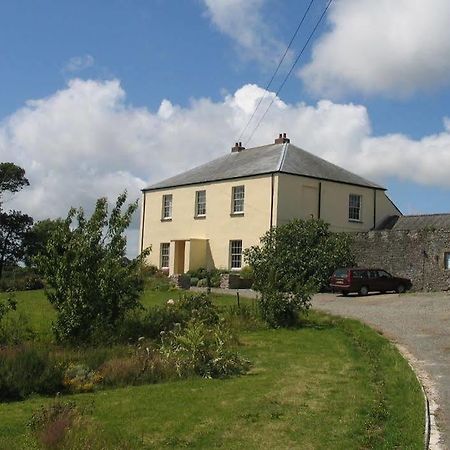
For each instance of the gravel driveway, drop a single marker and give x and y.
(420, 325)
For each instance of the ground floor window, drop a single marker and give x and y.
(164, 258)
(447, 260)
(235, 254)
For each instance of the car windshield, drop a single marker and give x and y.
(340, 273)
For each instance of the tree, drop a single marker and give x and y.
(84, 263)
(14, 226)
(12, 178)
(36, 239)
(293, 262)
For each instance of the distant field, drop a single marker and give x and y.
(332, 384)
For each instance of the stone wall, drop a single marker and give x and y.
(417, 255)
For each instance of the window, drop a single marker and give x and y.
(167, 207)
(237, 206)
(354, 207)
(165, 251)
(200, 203)
(447, 260)
(384, 274)
(235, 254)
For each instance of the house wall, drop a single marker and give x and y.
(210, 235)
(298, 197)
(417, 255)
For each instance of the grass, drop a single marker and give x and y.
(333, 383)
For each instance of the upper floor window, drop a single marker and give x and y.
(237, 205)
(200, 203)
(164, 256)
(354, 207)
(167, 206)
(236, 254)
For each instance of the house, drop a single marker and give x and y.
(206, 216)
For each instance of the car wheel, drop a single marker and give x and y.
(401, 288)
(344, 293)
(364, 290)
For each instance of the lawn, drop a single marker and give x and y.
(332, 383)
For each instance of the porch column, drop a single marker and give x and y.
(187, 256)
(172, 258)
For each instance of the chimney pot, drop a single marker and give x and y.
(282, 139)
(237, 147)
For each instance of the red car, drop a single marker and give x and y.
(364, 281)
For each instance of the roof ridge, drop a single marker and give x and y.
(282, 156)
(426, 215)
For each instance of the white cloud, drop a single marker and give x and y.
(86, 141)
(243, 22)
(79, 63)
(384, 46)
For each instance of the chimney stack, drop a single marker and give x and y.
(282, 139)
(237, 147)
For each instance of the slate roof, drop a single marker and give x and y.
(416, 222)
(273, 158)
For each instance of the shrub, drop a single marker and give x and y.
(93, 286)
(243, 317)
(203, 350)
(247, 273)
(15, 329)
(79, 378)
(194, 281)
(26, 370)
(202, 282)
(158, 282)
(50, 424)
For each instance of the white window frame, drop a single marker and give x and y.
(238, 199)
(236, 254)
(354, 208)
(164, 255)
(447, 260)
(200, 203)
(167, 205)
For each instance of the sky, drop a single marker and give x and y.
(101, 96)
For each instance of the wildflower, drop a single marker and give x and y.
(171, 301)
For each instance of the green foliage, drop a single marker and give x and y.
(12, 178)
(80, 378)
(92, 284)
(292, 262)
(26, 370)
(203, 350)
(14, 329)
(35, 242)
(20, 279)
(247, 273)
(14, 226)
(194, 281)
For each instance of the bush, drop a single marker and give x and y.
(26, 370)
(15, 329)
(244, 317)
(79, 378)
(202, 282)
(194, 281)
(280, 309)
(93, 285)
(158, 282)
(203, 350)
(247, 273)
(20, 279)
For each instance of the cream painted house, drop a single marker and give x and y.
(206, 216)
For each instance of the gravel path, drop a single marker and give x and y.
(419, 325)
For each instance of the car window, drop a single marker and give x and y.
(340, 273)
(359, 274)
(383, 274)
(373, 273)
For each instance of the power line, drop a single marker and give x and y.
(290, 71)
(276, 70)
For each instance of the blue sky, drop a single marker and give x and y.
(119, 89)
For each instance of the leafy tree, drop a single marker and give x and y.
(36, 239)
(14, 226)
(12, 178)
(294, 261)
(84, 264)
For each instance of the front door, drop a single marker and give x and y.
(179, 257)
